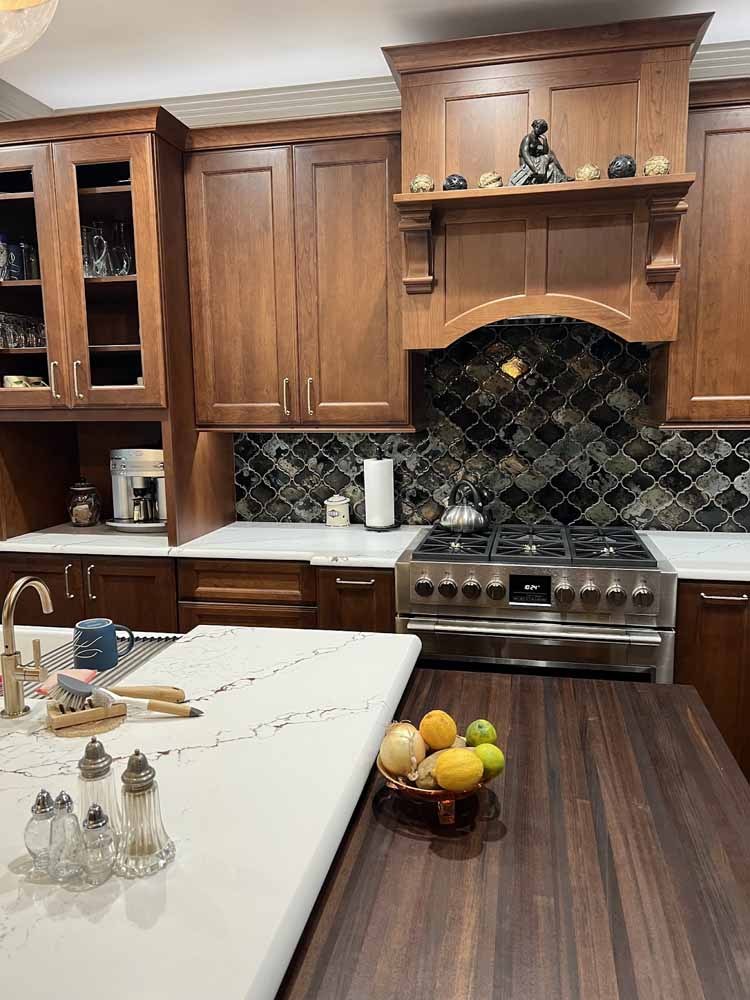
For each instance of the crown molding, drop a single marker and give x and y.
(721, 61)
(15, 104)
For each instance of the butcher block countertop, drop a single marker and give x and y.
(611, 861)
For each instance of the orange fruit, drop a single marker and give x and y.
(438, 730)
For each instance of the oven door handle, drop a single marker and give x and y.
(646, 637)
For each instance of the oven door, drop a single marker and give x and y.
(643, 653)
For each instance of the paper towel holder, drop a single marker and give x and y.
(378, 456)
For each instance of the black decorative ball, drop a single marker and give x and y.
(622, 166)
(455, 182)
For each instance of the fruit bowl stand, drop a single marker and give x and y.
(445, 801)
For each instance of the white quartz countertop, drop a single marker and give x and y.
(257, 794)
(313, 543)
(709, 555)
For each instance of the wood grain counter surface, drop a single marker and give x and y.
(611, 861)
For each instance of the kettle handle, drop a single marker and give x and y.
(462, 484)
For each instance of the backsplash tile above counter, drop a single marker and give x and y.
(566, 442)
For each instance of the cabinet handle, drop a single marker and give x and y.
(354, 583)
(76, 366)
(725, 598)
(89, 571)
(310, 410)
(52, 379)
(68, 593)
(285, 391)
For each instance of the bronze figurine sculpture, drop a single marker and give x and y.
(537, 163)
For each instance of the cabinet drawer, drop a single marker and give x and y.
(268, 615)
(246, 582)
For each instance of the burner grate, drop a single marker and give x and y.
(443, 545)
(535, 543)
(609, 547)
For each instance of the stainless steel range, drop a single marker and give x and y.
(541, 598)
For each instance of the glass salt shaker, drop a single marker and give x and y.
(66, 844)
(36, 836)
(97, 784)
(98, 846)
(145, 846)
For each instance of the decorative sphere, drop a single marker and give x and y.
(455, 182)
(622, 166)
(588, 172)
(420, 183)
(656, 166)
(491, 179)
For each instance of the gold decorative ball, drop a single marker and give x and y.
(656, 166)
(588, 172)
(491, 179)
(421, 183)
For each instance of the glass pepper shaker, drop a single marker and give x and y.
(36, 836)
(97, 783)
(66, 845)
(145, 846)
(98, 846)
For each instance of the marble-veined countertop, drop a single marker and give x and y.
(705, 555)
(256, 793)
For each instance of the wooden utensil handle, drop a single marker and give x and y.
(168, 708)
(155, 691)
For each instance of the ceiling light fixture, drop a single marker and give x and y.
(23, 22)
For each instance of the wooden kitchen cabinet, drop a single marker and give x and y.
(713, 654)
(62, 574)
(361, 600)
(246, 615)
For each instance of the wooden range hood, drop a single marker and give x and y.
(606, 252)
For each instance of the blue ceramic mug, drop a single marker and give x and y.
(95, 644)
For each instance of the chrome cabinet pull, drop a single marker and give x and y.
(310, 411)
(89, 571)
(354, 583)
(285, 391)
(725, 598)
(68, 593)
(76, 366)
(52, 379)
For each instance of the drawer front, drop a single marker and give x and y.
(215, 580)
(259, 615)
(357, 600)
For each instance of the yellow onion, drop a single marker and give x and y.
(402, 749)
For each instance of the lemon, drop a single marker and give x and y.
(492, 759)
(458, 770)
(480, 731)
(438, 730)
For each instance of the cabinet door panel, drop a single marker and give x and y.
(712, 650)
(218, 580)
(139, 593)
(249, 615)
(356, 600)
(352, 368)
(241, 248)
(63, 577)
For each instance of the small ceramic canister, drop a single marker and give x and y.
(337, 511)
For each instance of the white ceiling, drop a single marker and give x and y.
(99, 53)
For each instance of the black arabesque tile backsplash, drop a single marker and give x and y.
(566, 442)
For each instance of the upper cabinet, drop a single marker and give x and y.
(294, 270)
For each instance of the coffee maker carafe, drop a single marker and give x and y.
(138, 496)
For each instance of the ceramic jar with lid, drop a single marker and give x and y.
(84, 504)
(337, 511)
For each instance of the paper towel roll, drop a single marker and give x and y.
(379, 492)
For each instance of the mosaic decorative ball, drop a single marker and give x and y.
(656, 166)
(622, 166)
(421, 183)
(491, 179)
(588, 172)
(455, 182)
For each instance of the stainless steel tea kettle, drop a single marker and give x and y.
(462, 516)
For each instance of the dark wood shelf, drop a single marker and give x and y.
(112, 279)
(115, 348)
(105, 189)
(22, 283)
(16, 195)
(22, 350)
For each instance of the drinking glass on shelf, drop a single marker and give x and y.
(94, 251)
(122, 248)
(102, 255)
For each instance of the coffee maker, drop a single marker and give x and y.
(139, 499)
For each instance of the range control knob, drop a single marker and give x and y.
(495, 590)
(590, 595)
(447, 587)
(472, 589)
(643, 596)
(424, 586)
(616, 595)
(564, 594)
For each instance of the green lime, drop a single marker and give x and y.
(480, 731)
(492, 758)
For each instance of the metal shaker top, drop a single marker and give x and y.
(95, 762)
(138, 776)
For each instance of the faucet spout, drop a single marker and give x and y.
(13, 671)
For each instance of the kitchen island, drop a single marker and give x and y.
(256, 793)
(611, 861)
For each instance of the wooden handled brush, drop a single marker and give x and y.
(76, 695)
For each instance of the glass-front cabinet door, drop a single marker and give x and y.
(106, 202)
(33, 364)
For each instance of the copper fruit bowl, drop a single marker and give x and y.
(445, 801)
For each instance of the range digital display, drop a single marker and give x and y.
(525, 588)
